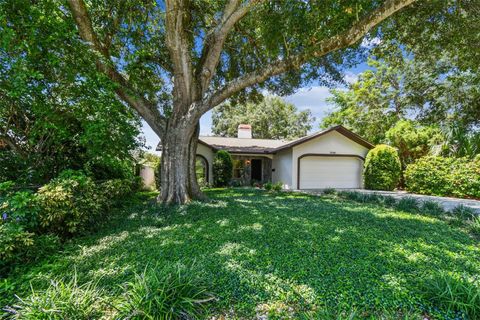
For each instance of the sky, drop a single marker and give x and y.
(313, 98)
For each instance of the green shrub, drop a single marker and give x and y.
(69, 203)
(61, 300)
(20, 207)
(268, 186)
(389, 201)
(382, 168)
(165, 294)
(432, 207)
(454, 293)
(113, 191)
(408, 204)
(462, 211)
(329, 191)
(277, 186)
(458, 177)
(13, 242)
(222, 169)
(474, 224)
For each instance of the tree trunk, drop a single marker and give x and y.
(194, 187)
(178, 182)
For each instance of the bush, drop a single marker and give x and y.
(458, 177)
(69, 204)
(382, 168)
(462, 211)
(20, 207)
(72, 203)
(277, 186)
(432, 207)
(329, 191)
(268, 186)
(61, 300)
(113, 191)
(13, 242)
(165, 294)
(454, 293)
(222, 169)
(408, 204)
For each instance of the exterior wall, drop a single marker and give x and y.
(330, 143)
(282, 163)
(147, 174)
(208, 154)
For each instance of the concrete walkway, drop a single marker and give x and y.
(447, 203)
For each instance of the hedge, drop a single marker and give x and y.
(441, 176)
(382, 168)
(222, 169)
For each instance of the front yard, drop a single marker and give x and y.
(277, 255)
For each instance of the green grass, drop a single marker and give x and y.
(281, 255)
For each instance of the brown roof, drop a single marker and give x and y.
(260, 146)
(242, 145)
(340, 129)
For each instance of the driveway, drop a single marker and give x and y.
(447, 203)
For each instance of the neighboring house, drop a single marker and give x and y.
(330, 158)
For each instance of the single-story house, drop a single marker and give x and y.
(332, 158)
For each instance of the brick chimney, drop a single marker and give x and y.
(244, 131)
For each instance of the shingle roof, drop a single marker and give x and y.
(243, 145)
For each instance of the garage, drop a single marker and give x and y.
(339, 171)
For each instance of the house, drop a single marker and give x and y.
(330, 158)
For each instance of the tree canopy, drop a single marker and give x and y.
(56, 112)
(401, 86)
(271, 118)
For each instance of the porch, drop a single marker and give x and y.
(250, 169)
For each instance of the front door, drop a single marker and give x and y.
(256, 170)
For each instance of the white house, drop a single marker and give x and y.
(330, 158)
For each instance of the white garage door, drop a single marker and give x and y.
(318, 172)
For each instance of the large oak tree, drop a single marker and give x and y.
(173, 61)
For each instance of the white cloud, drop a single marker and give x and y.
(369, 43)
(350, 77)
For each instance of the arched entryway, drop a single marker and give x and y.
(201, 169)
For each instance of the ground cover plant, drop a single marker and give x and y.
(277, 255)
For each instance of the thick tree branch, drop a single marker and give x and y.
(148, 111)
(324, 47)
(179, 45)
(215, 40)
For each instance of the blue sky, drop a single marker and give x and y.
(313, 98)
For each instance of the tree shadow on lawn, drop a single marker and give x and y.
(287, 252)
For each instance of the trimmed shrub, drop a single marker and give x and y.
(222, 169)
(382, 168)
(165, 294)
(440, 176)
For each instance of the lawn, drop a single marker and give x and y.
(279, 255)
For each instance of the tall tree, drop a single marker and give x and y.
(271, 118)
(56, 111)
(173, 61)
(403, 86)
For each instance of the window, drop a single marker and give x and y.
(238, 168)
